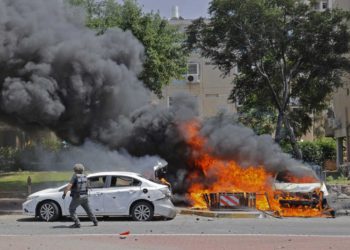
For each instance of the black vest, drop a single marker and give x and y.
(79, 186)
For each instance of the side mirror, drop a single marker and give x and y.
(145, 190)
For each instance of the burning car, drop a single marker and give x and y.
(307, 199)
(110, 194)
(218, 181)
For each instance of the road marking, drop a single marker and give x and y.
(204, 235)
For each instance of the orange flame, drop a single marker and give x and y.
(214, 175)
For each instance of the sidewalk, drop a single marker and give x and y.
(11, 205)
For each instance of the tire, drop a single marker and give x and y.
(142, 211)
(49, 211)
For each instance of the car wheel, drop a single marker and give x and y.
(48, 211)
(142, 211)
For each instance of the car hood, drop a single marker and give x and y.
(46, 191)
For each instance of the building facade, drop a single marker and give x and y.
(338, 117)
(203, 81)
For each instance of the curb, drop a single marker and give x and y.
(10, 206)
(342, 212)
(221, 214)
(11, 212)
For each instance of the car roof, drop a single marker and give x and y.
(298, 187)
(131, 174)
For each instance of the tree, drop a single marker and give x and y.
(290, 57)
(259, 119)
(165, 58)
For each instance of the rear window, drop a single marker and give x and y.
(124, 181)
(97, 181)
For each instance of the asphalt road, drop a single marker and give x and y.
(184, 232)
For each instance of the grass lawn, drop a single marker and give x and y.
(337, 179)
(17, 181)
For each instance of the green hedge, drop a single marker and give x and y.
(10, 157)
(316, 152)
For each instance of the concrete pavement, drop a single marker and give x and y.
(174, 242)
(11, 205)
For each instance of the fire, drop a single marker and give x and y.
(210, 174)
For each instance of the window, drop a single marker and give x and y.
(324, 5)
(124, 181)
(193, 68)
(97, 182)
(192, 74)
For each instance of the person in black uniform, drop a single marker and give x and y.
(79, 193)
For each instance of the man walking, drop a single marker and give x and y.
(79, 193)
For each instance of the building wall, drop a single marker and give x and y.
(340, 122)
(339, 118)
(212, 90)
(343, 4)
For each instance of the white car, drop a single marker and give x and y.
(110, 194)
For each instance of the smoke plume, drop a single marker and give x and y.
(95, 157)
(55, 73)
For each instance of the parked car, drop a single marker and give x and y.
(110, 194)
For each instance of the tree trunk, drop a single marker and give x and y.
(293, 140)
(278, 133)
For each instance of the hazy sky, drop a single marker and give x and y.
(188, 9)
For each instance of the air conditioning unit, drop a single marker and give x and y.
(193, 72)
(192, 78)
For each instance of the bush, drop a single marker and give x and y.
(8, 158)
(311, 152)
(26, 158)
(286, 147)
(316, 152)
(328, 148)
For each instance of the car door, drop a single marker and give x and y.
(97, 186)
(123, 190)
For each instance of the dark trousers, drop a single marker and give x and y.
(80, 201)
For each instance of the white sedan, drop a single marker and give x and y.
(110, 194)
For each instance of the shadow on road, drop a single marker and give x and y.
(67, 219)
(34, 219)
(61, 226)
(28, 220)
(69, 226)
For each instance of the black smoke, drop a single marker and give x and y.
(55, 73)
